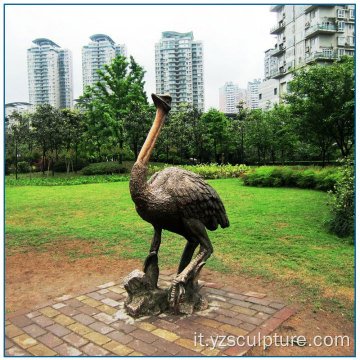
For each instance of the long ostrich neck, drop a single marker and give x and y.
(138, 178)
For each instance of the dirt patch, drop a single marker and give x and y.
(34, 278)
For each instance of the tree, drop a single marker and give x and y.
(216, 124)
(74, 127)
(112, 98)
(18, 133)
(48, 129)
(322, 99)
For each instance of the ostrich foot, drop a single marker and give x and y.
(184, 294)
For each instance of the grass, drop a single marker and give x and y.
(275, 233)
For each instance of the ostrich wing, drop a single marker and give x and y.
(193, 196)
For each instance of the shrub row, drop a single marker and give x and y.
(311, 178)
(102, 168)
(212, 171)
(61, 181)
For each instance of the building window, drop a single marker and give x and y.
(350, 52)
(341, 13)
(275, 91)
(351, 40)
(327, 52)
(260, 96)
(352, 14)
(341, 26)
(341, 40)
(351, 27)
(341, 52)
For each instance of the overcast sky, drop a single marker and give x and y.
(234, 38)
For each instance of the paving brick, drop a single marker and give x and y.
(189, 344)
(254, 294)
(74, 303)
(103, 291)
(138, 345)
(107, 285)
(164, 345)
(272, 323)
(25, 341)
(63, 297)
(91, 302)
(165, 334)
(236, 296)
(7, 322)
(105, 318)
(97, 338)
(121, 325)
(82, 297)
(212, 290)
(49, 311)
(69, 311)
(118, 349)
(67, 350)
(209, 322)
(233, 330)
(210, 352)
(120, 337)
(84, 319)
(64, 320)
(277, 305)
(136, 353)
(250, 319)
(12, 331)
(21, 321)
(34, 330)
(228, 320)
(115, 296)
(33, 314)
(101, 327)
(187, 352)
(110, 302)
(262, 315)
(247, 326)
(58, 330)
(75, 340)
(8, 343)
(144, 335)
(58, 306)
(146, 326)
(86, 309)
(226, 312)
(41, 350)
(94, 350)
(95, 295)
(117, 289)
(50, 340)
(242, 310)
(255, 300)
(163, 324)
(107, 309)
(16, 351)
(265, 309)
(237, 350)
(285, 313)
(43, 321)
(240, 303)
(79, 329)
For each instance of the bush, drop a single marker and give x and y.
(104, 168)
(342, 219)
(60, 165)
(276, 176)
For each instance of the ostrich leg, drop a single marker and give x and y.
(198, 236)
(151, 268)
(187, 255)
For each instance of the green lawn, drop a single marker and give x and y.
(275, 233)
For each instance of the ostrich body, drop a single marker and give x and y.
(175, 200)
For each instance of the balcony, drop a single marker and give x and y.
(279, 28)
(320, 29)
(276, 8)
(318, 56)
(278, 73)
(278, 50)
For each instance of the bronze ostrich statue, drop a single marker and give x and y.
(178, 201)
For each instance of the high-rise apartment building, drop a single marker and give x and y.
(253, 94)
(49, 74)
(309, 34)
(179, 68)
(101, 50)
(229, 97)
